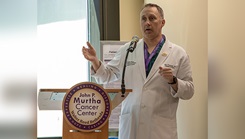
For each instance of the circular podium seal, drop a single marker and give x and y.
(86, 106)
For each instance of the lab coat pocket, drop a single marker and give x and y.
(126, 126)
(163, 128)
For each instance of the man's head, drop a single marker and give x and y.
(151, 21)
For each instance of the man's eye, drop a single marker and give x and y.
(151, 18)
(143, 19)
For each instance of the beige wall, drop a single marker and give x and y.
(226, 43)
(130, 19)
(186, 25)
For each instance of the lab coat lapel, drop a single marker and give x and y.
(165, 51)
(140, 58)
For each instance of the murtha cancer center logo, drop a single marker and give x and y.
(86, 106)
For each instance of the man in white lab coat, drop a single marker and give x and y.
(158, 72)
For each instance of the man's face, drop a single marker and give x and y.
(151, 22)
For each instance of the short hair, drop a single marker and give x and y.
(159, 9)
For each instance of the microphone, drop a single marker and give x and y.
(133, 43)
(131, 48)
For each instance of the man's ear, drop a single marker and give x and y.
(163, 22)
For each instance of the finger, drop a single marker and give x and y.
(165, 72)
(165, 68)
(84, 50)
(90, 46)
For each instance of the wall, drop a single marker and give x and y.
(130, 19)
(226, 33)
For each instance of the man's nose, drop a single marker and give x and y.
(147, 22)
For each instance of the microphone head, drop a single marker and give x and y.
(135, 38)
(133, 43)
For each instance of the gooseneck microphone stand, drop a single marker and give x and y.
(130, 49)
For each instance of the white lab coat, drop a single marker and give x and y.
(149, 112)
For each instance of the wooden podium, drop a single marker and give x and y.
(69, 132)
